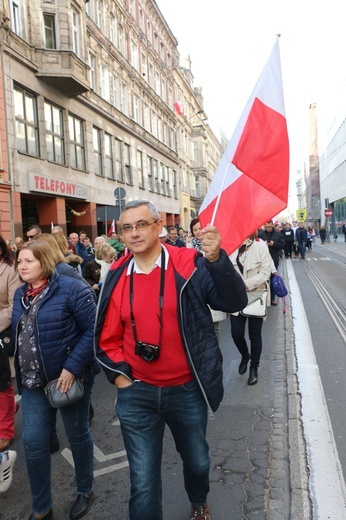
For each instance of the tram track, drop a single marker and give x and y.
(334, 307)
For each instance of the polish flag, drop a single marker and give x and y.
(250, 185)
(111, 228)
(178, 107)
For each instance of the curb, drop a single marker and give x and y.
(287, 495)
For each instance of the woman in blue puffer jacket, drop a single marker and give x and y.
(53, 319)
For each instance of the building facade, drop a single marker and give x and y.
(88, 96)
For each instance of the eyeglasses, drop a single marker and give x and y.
(31, 237)
(140, 226)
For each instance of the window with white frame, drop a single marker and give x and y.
(153, 123)
(92, 71)
(99, 13)
(159, 129)
(109, 157)
(118, 153)
(25, 108)
(140, 170)
(156, 176)
(168, 182)
(53, 118)
(163, 90)
(157, 83)
(144, 65)
(170, 97)
(132, 8)
(150, 173)
(127, 163)
(16, 17)
(141, 19)
(169, 61)
(163, 178)
(149, 32)
(134, 54)
(120, 38)
(90, 9)
(195, 151)
(151, 74)
(197, 186)
(136, 110)
(175, 184)
(146, 117)
(116, 92)
(113, 29)
(75, 32)
(97, 150)
(105, 92)
(156, 42)
(124, 99)
(76, 140)
(49, 31)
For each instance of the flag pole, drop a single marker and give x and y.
(219, 195)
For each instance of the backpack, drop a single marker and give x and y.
(279, 286)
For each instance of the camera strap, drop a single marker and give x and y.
(161, 292)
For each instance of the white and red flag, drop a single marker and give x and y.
(111, 228)
(250, 185)
(178, 107)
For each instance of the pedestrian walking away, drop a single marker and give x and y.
(254, 263)
(156, 342)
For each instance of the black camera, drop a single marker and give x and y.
(147, 351)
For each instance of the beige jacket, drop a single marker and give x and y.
(257, 267)
(9, 281)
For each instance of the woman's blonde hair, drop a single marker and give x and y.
(55, 250)
(104, 251)
(61, 240)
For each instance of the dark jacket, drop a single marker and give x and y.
(178, 243)
(301, 234)
(198, 282)
(63, 329)
(288, 235)
(279, 243)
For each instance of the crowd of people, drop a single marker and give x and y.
(160, 295)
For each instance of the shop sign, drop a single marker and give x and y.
(58, 187)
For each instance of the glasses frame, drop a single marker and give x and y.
(31, 237)
(130, 228)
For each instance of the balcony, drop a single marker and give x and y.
(63, 70)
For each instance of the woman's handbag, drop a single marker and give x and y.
(257, 306)
(58, 399)
(7, 341)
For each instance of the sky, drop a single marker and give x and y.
(229, 43)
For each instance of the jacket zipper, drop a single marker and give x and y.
(210, 412)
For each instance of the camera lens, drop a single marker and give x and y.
(148, 354)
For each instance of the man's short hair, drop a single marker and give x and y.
(34, 227)
(141, 202)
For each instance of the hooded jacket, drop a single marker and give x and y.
(199, 283)
(63, 329)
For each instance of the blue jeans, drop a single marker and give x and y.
(37, 418)
(143, 411)
(302, 249)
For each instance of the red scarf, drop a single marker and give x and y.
(31, 293)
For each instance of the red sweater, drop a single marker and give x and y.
(171, 368)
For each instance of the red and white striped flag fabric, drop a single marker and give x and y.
(250, 185)
(178, 107)
(111, 228)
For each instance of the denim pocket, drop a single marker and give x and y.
(190, 386)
